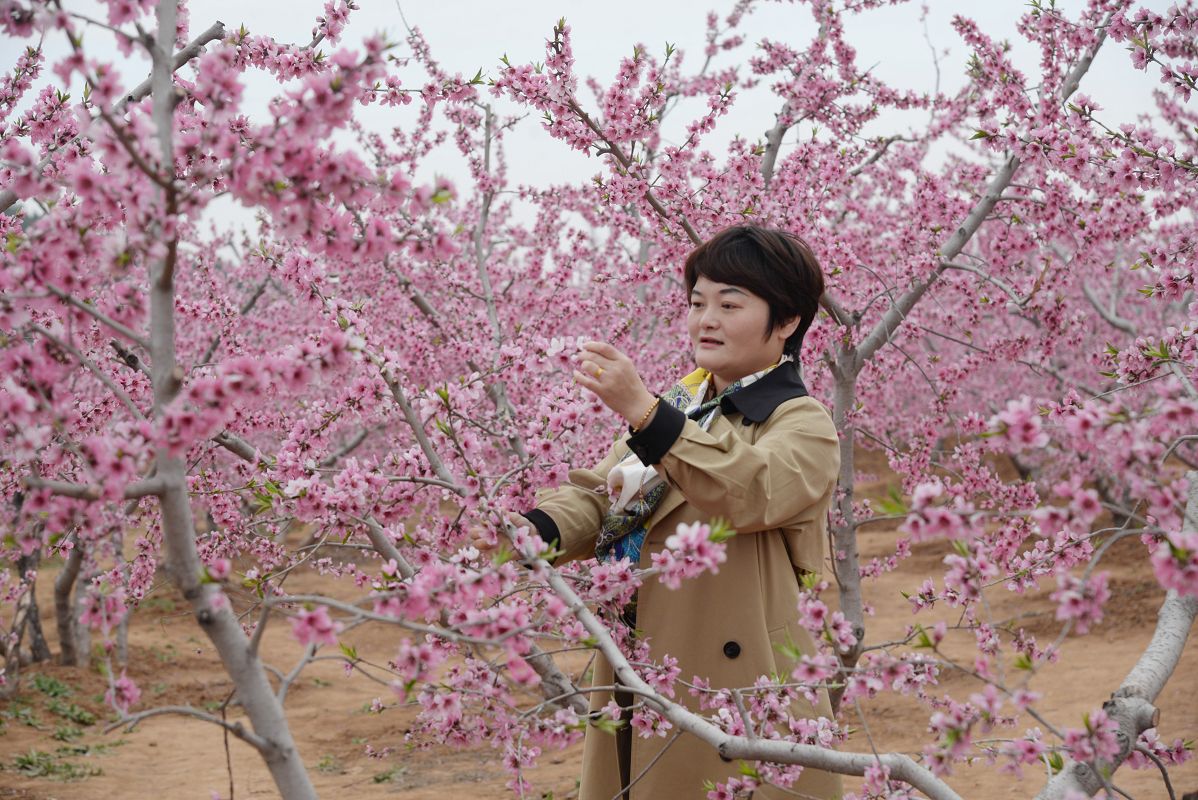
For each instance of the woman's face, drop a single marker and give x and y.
(727, 326)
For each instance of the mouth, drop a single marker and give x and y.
(707, 341)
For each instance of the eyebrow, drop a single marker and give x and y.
(728, 290)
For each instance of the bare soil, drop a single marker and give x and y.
(178, 757)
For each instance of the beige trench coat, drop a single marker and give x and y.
(773, 481)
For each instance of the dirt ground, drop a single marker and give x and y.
(46, 756)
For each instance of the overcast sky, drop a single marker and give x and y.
(466, 35)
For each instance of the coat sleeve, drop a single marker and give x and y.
(569, 516)
(771, 483)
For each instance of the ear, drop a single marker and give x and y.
(787, 329)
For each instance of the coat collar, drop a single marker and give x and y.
(759, 399)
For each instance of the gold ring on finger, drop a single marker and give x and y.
(598, 371)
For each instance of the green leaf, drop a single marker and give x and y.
(607, 725)
(980, 134)
(789, 649)
(922, 640)
(350, 651)
(503, 555)
(893, 504)
(721, 531)
(1022, 661)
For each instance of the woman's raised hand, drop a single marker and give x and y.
(612, 376)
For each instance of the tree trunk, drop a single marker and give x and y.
(211, 608)
(844, 534)
(64, 607)
(38, 649)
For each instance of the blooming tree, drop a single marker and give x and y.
(364, 362)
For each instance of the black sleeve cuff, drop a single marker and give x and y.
(545, 526)
(654, 440)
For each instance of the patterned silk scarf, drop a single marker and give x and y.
(638, 489)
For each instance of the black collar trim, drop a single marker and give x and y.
(759, 399)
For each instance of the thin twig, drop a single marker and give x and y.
(99, 315)
(108, 382)
(235, 728)
(1161, 767)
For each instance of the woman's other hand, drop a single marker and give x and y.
(612, 376)
(487, 539)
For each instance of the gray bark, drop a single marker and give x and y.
(741, 747)
(273, 736)
(1132, 704)
(38, 649)
(64, 607)
(851, 359)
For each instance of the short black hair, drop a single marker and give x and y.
(775, 265)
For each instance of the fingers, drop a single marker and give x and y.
(602, 349)
(487, 539)
(587, 381)
(592, 367)
(596, 358)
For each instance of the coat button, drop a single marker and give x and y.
(731, 649)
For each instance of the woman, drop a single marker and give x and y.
(737, 439)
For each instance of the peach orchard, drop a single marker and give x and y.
(382, 363)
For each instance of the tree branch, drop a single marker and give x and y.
(129, 358)
(883, 146)
(889, 323)
(235, 728)
(773, 143)
(193, 48)
(84, 491)
(414, 422)
(246, 308)
(894, 316)
(555, 685)
(139, 92)
(117, 391)
(242, 449)
(1131, 705)
(128, 333)
(627, 164)
(341, 452)
(1112, 319)
(741, 747)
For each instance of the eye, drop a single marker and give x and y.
(728, 306)
(696, 304)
